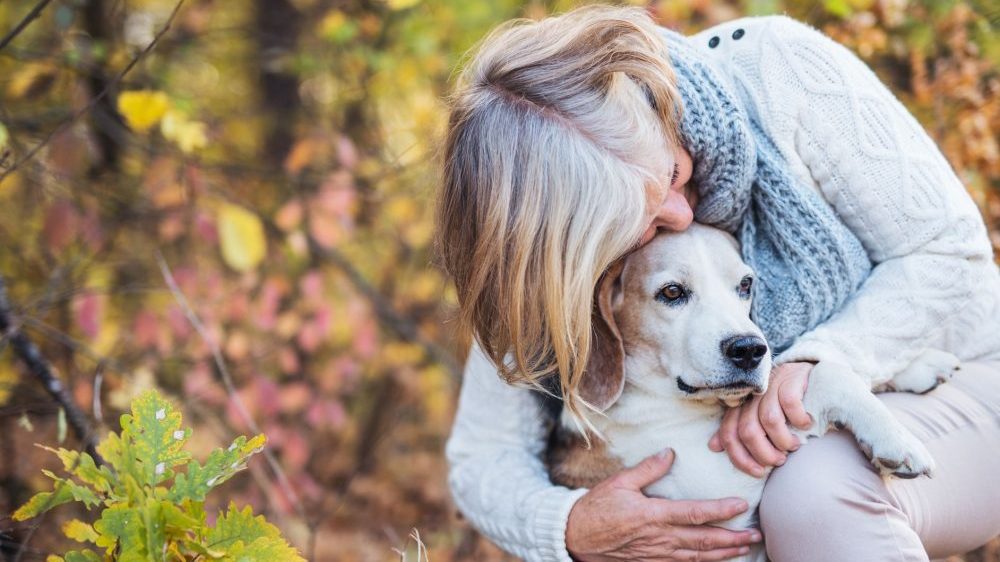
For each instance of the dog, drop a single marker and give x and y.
(675, 344)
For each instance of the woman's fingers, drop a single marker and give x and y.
(672, 513)
(738, 454)
(772, 418)
(709, 555)
(711, 538)
(650, 470)
(754, 438)
(790, 395)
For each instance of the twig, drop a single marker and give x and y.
(34, 13)
(96, 99)
(227, 380)
(40, 368)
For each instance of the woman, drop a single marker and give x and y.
(575, 138)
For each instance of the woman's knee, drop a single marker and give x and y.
(821, 487)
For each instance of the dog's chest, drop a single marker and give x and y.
(697, 473)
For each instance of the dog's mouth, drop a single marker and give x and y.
(735, 387)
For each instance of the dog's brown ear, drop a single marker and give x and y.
(604, 379)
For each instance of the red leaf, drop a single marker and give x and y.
(60, 227)
(145, 329)
(89, 309)
(347, 153)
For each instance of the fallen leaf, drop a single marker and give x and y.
(241, 236)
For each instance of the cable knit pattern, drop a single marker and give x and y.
(845, 136)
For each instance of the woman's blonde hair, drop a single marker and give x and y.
(559, 131)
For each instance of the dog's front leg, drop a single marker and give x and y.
(837, 396)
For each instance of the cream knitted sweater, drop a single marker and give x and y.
(934, 283)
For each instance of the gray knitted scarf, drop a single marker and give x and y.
(808, 263)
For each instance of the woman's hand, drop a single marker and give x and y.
(616, 521)
(755, 435)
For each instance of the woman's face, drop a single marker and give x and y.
(673, 208)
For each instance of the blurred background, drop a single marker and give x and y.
(242, 192)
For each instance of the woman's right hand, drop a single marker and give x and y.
(616, 521)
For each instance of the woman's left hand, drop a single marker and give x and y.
(755, 434)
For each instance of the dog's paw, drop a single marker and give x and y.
(895, 451)
(926, 372)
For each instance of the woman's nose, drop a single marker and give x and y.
(675, 214)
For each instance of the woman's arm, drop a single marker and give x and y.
(496, 474)
(836, 123)
(499, 483)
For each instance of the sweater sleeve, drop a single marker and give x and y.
(496, 474)
(875, 165)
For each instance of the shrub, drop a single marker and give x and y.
(149, 512)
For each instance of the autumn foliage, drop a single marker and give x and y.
(231, 203)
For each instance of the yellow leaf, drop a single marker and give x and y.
(435, 387)
(143, 108)
(398, 354)
(79, 531)
(401, 210)
(401, 4)
(301, 155)
(31, 80)
(241, 236)
(8, 378)
(188, 135)
(424, 286)
(332, 22)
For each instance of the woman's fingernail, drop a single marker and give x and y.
(755, 536)
(664, 453)
(744, 549)
(780, 461)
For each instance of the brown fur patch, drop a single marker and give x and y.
(572, 464)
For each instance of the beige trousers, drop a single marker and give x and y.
(828, 504)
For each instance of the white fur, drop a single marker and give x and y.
(665, 343)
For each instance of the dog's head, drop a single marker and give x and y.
(678, 311)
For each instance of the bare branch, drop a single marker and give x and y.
(96, 99)
(34, 13)
(227, 380)
(39, 367)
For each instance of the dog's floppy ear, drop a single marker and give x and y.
(604, 378)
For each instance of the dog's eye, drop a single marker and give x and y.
(673, 293)
(746, 284)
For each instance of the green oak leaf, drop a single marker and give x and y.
(122, 525)
(81, 556)
(248, 538)
(153, 433)
(83, 467)
(42, 502)
(80, 531)
(221, 465)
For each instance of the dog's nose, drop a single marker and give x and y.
(744, 351)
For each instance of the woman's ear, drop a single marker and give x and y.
(604, 378)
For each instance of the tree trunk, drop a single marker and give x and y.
(278, 27)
